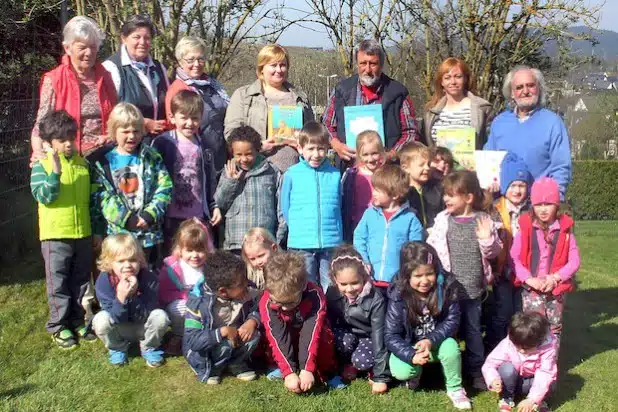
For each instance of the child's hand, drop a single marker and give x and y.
(420, 358)
(378, 387)
(216, 217)
(126, 287)
(525, 406)
(306, 380)
(56, 167)
(292, 383)
(496, 386)
(231, 171)
(231, 334)
(141, 224)
(483, 227)
(535, 283)
(549, 284)
(423, 345)
(246, 331)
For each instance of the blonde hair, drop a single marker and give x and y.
(118, 247)
(192, 234)
(368, 137)
(187, 44)
(412, 151)
(286, 275)
(271, 53)
(124, 115)
(262, 237)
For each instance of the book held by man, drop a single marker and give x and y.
(361, 118)
(487, 163)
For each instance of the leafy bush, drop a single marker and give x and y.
(592, 193)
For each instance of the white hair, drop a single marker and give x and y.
(187, 44)
(540, 84)
(82, 28)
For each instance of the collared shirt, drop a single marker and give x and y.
(407, 116)
(526, 117)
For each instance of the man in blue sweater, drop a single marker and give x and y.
(531, 131)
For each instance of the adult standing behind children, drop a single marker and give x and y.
(249, 105)
(140, 79)
(371, 86)
(531, 131)
(453, 105)
(190, 53)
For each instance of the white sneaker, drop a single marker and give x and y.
(460, 399)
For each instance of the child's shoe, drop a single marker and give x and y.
(154, 358)
(505, 405)
(478, 383)
(274, 374)
(246, 376)
(349, 372)
(544, 407)
(413, 383)
(336, 383)
(213, 380)
(65, 339)
(117, 357)
(460, 399)
(242, 371)
(173, 346)
(86, 334)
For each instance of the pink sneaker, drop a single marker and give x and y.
(460, 399)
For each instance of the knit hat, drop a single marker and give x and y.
(545, 190)
(513, 168)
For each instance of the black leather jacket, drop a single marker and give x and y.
(364, 319)
(399, 332)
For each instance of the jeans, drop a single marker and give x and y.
(512, 383)
(502, 303)
(470, 331)
(317, 261)
(118, 336)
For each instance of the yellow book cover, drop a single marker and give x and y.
(461, 142)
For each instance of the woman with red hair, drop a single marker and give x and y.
(453, 105)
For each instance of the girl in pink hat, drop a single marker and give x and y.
(545, 254)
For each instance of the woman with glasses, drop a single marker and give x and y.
(140, 79)
(190, 53)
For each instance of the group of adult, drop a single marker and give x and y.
(88, 91)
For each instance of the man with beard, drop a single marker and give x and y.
(371, 86)
(531, 131)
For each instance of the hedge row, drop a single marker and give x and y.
(593, 193)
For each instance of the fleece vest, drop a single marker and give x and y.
(393, 94)
(68, 216)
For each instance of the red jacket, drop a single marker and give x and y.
(561, 251)
(68, 98)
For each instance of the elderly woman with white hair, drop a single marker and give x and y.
(528, 129)
(79, 85)
(191, 56)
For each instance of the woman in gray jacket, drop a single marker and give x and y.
(249, 105)
(453, 106)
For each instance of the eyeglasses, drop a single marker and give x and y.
(200, 60)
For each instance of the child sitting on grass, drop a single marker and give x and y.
(523, 364)
(127, 291)
(221, 323)
(60, 184)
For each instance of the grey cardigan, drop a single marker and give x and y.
(480, 110)
(248, 108)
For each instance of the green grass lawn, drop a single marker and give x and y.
(35, 376)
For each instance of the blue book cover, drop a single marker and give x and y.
(361, 118)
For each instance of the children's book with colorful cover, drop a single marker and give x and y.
(460, 142)
(361, 118)
(487, 163)
(284, 122)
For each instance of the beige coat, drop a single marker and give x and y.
(480, 110)
(248, 108)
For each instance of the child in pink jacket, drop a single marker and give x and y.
(524, 363)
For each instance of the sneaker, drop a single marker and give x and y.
(154, 358)
(86, 334)
(173, 346)
(544, 407)
(274, 375)
(336, 383)
(349, 372)
(118, 358)
(65, 339)
(478, 383)
(213, 380)
(413, 383)
(505, 405)
(460, 399)
(246, 376)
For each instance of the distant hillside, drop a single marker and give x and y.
(606, 49)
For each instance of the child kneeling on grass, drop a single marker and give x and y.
(127, 291)
(524, 363)
(294, 314)
(422, 318)
(221, 321)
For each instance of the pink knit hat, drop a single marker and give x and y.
(545, 190)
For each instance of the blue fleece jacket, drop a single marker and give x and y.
(379, 241)
(137, 308)
(311, 206)
(542, 141)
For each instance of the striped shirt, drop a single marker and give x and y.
(452, 119)
(44, 187)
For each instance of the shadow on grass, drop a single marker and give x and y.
(581, 339)
(15, 392)
(28, 269)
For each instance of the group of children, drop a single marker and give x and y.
(285, 291)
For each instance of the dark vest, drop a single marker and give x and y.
(393, 94)
(133, 91)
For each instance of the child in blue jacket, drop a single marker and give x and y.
(311, 203)
(387, 225)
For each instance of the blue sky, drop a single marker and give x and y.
(298, 36)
